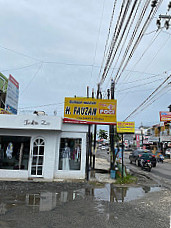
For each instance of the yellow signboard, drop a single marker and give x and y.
(125, 127)
(3, 111)
(90, 110)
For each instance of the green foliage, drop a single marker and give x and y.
(103, 134)
(129, 179)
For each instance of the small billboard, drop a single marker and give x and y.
(3, 111)
(11, 103)
(90, 111)
(165, 116)
(125, 127)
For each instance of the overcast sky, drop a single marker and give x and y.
(49, 46)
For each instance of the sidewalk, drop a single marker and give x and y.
(101, 164)
(167, 160)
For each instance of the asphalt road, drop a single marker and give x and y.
(162, 171)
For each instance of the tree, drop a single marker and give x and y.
(103, 134)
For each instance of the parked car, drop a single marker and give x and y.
(133, 157)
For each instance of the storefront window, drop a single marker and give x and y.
(70, 154)
(14, 152)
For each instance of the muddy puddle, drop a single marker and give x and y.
(47, 201)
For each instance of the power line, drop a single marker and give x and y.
(97, 39)
(45, 105)
(35, 74)
(110, 25)
(121, 37)
(142, 14)
(19, 68)
(148, 97)
(146, 24)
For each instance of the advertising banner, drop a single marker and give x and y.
(165, 116)
(125, 127)
(90, 111)
(3, 111)
(11, 103)
(138, 141)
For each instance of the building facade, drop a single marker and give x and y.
(41, 147)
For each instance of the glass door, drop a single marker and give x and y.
(37, 157)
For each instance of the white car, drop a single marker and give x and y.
(168, 151)
(103, 147)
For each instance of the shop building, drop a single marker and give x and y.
(41, 147)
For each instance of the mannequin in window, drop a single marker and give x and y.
(77, 153)
(66, 157)
(9, 150)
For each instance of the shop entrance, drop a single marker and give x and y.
(37, 157)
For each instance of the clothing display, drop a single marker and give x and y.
(65, 158)
(9, 150)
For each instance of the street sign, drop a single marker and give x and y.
(11, 103)
(125, 127)
(165, 116)
(90, 111)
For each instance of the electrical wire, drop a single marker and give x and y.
(97, 39)
(148, 97)
(136, 86)
(144, 28)
(45, 105)
(34, 76)
(121, 37)
(19, 68)
(126, 36)
(148, 47)
(142, 14)
(107, 41)
(114, 37)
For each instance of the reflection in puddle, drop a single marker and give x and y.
(47, 201)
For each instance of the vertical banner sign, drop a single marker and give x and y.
(90, 111)
(11, 103)
(138, 141)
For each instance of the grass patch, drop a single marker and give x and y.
(126, 180)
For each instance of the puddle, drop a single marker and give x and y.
(47, 201)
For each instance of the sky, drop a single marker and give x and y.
(54, 49)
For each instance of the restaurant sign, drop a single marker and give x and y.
(90, 111)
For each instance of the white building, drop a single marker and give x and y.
(41, 147)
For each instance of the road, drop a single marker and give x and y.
(161, 173)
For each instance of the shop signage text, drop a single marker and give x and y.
(125, 127)
(165, 116)
(90, 111)
(34, 122)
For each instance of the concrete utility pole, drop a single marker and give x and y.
(111, 129)
(169, 107)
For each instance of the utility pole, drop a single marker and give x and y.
(89, 145)
(169, 107)
(95, 128)
(111, 128)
